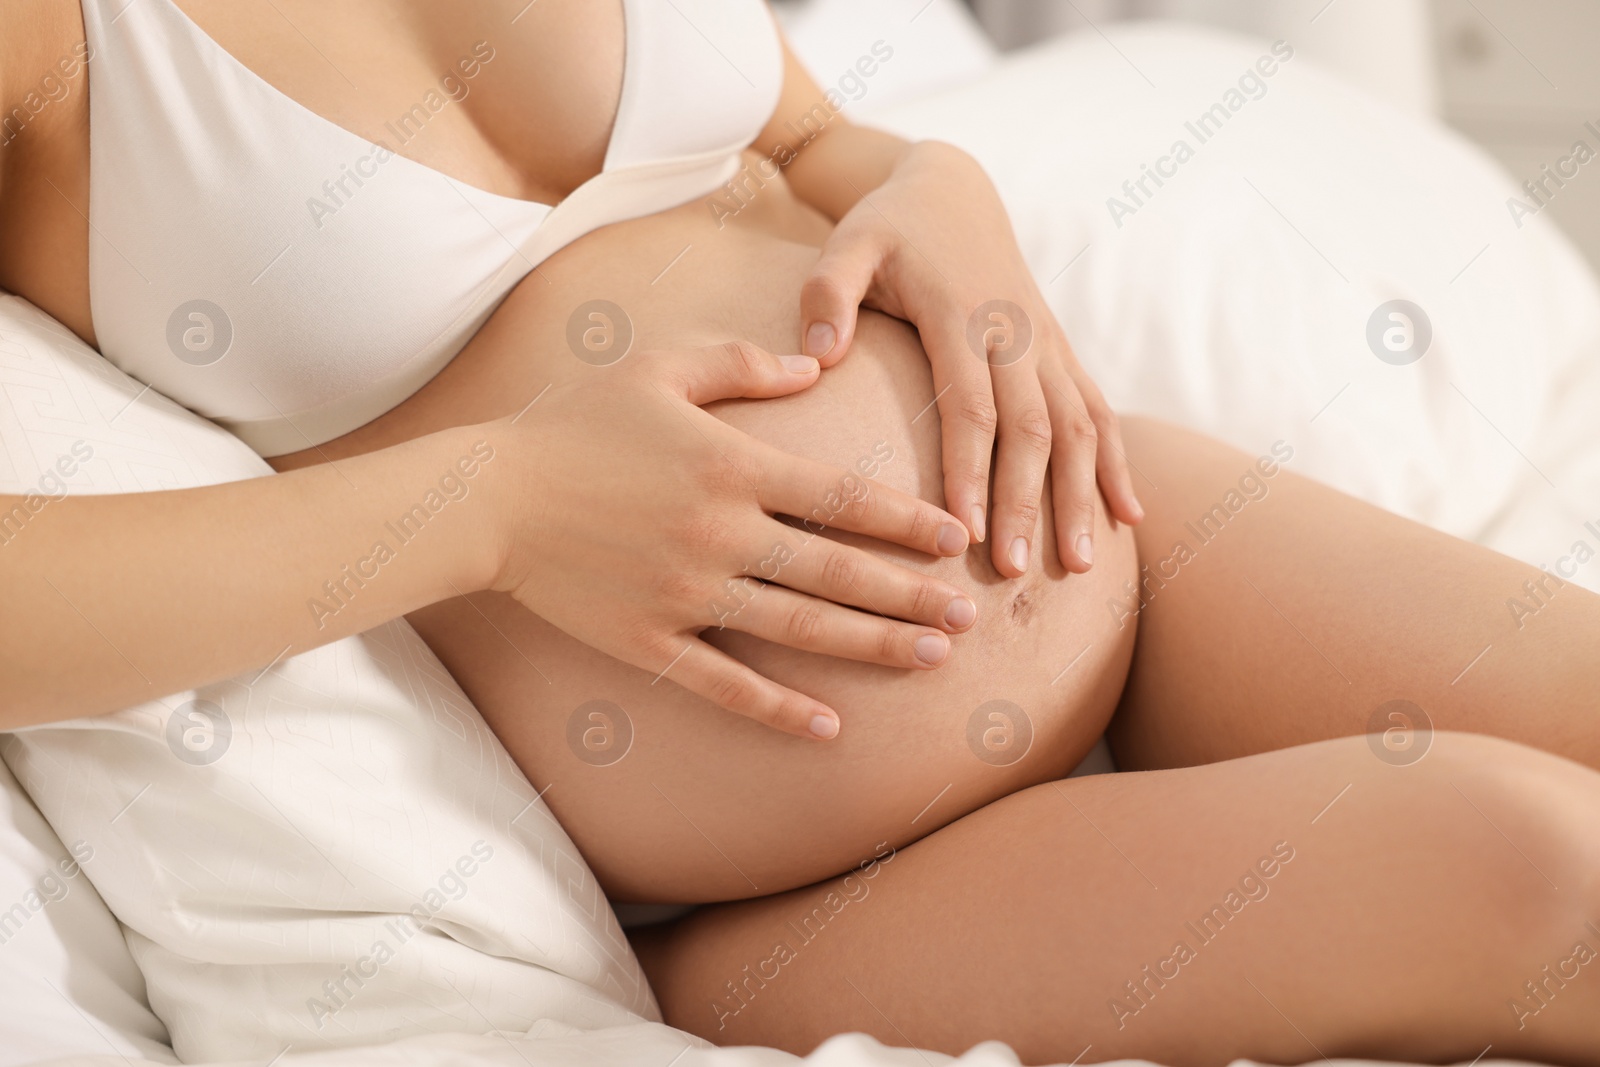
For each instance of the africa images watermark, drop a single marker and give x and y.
(341, 988)
(1537, 594)
(1252, 487)
(50, 888)
(51, 486)
(54, 87)
(851, 489)
(999, 732)
(853, 888)
(1202, 128)
(1399, 332)
(738, 193)
(454, 86)
(1541, 990)
(453, 487)
(599, 732)
(199, 732)
(1252, 888)
(1544, 188)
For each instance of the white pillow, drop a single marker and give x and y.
(332, 852)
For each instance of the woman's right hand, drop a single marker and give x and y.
(636, 521)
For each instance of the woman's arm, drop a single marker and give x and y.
(44, 152)
(922, 235)
(111, 601)
(616, 509)
(831, 163)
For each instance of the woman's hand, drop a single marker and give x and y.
(933, 245)
(638, 521)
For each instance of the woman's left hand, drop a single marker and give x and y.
(933, 245)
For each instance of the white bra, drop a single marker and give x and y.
(215, 277)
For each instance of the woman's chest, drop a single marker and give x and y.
(506, 96)
(513, 97)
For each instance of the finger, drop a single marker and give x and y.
(1025, 435)
(845, 574)
(1072, 473)
(785, 617)
(733, 369)
(823, 496)
(727, 683)
(965, 397)
(1111, 460)
(831, 296)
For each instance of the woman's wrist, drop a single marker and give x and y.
(277, 565)
(474, 478)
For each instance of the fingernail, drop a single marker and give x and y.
(1085, 547)
(977, 521)
(819, 339)
(1138, 510)
(1019, 553)
(960, 613)
(932, 648)
(798, 364)
(952, 539)
(824, 726)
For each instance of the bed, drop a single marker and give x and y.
(183, 881)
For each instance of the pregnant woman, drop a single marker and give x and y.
(856, 657)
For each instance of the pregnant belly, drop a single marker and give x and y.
(670, 798)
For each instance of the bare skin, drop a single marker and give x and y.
(1445, 877)
(1003, 903)
(1403, 927)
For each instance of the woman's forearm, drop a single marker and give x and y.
(111, 601)
(828, 162)
(836, 170)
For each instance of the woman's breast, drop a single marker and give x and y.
(669, 797)
(705, 271)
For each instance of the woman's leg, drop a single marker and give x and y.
(1317, 901)
(1278, 611)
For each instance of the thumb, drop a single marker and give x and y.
(832, 295)
(735, 369)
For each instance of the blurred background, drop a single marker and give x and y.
(1519, 77)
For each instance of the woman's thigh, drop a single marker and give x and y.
(1317, 901)
(1277, 611)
